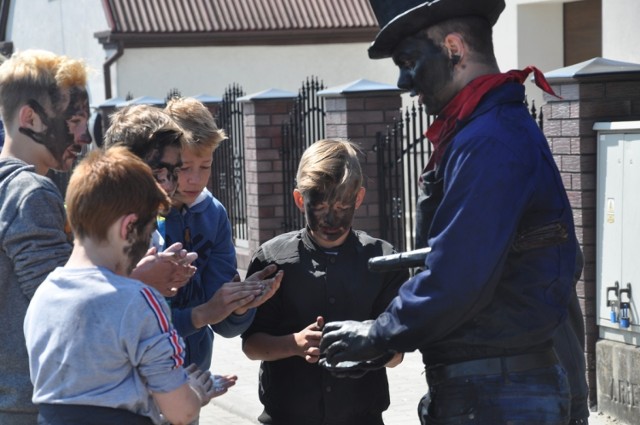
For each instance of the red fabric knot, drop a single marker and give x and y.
(443, 128)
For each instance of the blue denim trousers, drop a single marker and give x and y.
(534, 397)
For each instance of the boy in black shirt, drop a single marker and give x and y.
(325, 279)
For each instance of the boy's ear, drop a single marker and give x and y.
(126, 225)
(298, 199)
(360, 197)
(28, 118)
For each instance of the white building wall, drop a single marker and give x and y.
(620, 30)
(64, 27)
(154, 71)
(530, 32)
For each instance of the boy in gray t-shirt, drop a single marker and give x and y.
(100, 343)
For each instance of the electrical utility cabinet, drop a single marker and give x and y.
(618, 231)
(618, 268)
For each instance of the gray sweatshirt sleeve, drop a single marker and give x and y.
(34, 238)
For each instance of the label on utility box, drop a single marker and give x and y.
(611, 214)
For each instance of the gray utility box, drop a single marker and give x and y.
(618, 269)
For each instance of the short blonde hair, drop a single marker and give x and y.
(38, 75)
(331, 167)
(196, 119)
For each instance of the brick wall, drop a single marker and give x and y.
(263, 117)
(358, 115)
(568, 125)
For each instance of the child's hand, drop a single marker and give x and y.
(167, 271)
(201, 383)
(230, 297)
(308, 340)
(222, 383)
(269, 287)
(179, 255)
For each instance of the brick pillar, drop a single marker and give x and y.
(264, 114)
(358, 111)
(592, 91)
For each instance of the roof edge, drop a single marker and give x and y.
(238, 38)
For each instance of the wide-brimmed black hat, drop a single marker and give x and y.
(401, 18)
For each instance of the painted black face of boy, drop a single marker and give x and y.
(165, 164)
(329, 218)
(66, 132)
(139, 237)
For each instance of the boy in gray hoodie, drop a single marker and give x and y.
(45, 110)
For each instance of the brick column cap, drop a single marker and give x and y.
(206, 98)
(114, 102)
(145, 100)
(615, 126)
(359, 86)
(269, 94)
(590, 68)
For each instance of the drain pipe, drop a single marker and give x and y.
(106, 69)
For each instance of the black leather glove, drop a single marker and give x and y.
(348, 341)
(350, 369)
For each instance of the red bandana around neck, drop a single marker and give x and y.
(442, 129)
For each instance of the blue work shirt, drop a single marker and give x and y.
(477, 296)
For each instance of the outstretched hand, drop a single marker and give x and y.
(166, 271)
(222, 383)
(237, 297)
(269, 286)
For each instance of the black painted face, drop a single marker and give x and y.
(139, 238)
(65, 132)
(425, 70)
(165, 166)
(329, 220)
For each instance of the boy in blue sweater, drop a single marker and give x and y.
(215, 300)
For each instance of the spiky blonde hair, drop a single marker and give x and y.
(39, 75)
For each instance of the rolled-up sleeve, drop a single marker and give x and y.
(158, 350)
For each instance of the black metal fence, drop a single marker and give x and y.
(228, 176)
(538, 118)
(304, 127)
(402, 153)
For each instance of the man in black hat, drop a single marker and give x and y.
(497, 218)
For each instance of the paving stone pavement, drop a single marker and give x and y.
(240, 406)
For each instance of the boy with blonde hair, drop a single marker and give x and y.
(215, 300)
(101, 345)
(326, 278)
(45, 109)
